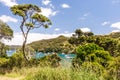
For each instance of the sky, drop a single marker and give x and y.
(98, 16)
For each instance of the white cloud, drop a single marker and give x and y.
(57, 29)
(65, 6)
(6, 18)
(18, 38)
(46, 2)
(116, 31)
(105, 23)
(48, 12)
(116, 25)
(8, 3)
(85, 29)
(49, 9)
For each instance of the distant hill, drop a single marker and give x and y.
(115, 34)
(13, 47)
(54, 44)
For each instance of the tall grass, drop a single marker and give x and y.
(60, 73)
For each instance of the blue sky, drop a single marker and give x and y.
(98, 16)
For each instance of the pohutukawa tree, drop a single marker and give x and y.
(31, 19)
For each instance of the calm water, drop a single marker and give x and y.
(61, 55)
(66, 58)
(40, 54)
(10, 52)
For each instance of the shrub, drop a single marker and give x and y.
(17, 60)
(4, 65)
(50, 60)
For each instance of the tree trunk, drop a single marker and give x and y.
(23, 50)
(24, 44)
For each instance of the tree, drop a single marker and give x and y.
(31, 19)
(3, 49)
(78, 32)
(92, 53)
(5, 31)
(88, 33)
(80, 37)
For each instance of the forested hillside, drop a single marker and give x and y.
(59, 44)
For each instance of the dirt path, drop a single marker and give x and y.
(9, 78)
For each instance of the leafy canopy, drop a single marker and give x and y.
(5, 31)
(31, 15)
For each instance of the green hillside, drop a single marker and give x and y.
(51, 45)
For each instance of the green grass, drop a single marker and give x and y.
(48, 73)
(61, 73)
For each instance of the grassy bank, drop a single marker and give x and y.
(48, 73)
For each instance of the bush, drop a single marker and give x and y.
(4, 65)
(92, 53)
(95, 58)
(114, 69)
(50, 60)
(17, 60)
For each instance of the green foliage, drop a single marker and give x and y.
(5, 31)
(17, 60)
(114, 69)
(22, 9)
(93, 67)
(78, 33)
(31, 19)
(4, 62)
(93, 57)
(50, 45)
(31, 15)
(92, 53)
(41, 18)
(81, 37)
(3, 49)
(109, 43)
(29, 24)
(50, 60)
(88, 48)
(4, 65)
(103, 57)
